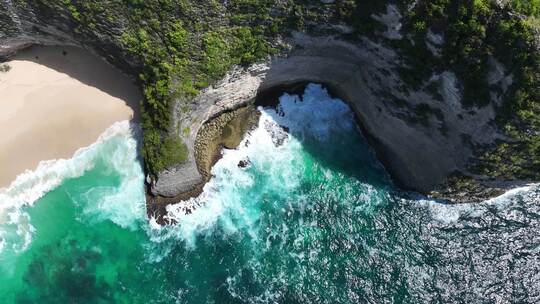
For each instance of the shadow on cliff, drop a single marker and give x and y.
(87, 68)
(355, 159)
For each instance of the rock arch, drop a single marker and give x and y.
(418, 155)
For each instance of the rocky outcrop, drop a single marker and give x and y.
(421, 137)
(226, 130)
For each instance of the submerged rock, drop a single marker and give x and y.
(244, 163)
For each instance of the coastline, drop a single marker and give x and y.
(276, 78)
(55, 101)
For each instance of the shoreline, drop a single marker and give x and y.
(209, 141)
(55, 101)
(32, 184)
(225, 131)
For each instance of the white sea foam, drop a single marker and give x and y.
(229, 202)
(15, 225)
(451, 213)
(221, 198)
(233, 197)
(512, 193)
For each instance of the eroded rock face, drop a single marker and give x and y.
(392, 21)
(419, 149)
(22, 29)
(36, 25)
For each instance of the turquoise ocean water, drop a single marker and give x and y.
(312, 218)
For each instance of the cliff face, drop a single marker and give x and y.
(423, 133)
(23, 25)
(419, 149)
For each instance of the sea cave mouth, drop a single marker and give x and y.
(232, 131)
(269, 98)
(302, 132)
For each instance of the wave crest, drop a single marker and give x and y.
(15, 225)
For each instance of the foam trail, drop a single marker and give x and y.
(221, 200)
(30, 186)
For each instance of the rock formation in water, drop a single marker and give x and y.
(445, 91)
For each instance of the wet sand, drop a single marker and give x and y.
(55, 100)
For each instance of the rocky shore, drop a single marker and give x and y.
(418, 154)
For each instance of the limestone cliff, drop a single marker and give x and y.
(32, 23)
(418, 152)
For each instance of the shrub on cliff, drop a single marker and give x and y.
(162, 153)
(474, 31)
(526, 7)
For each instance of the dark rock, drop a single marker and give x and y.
(244, 163)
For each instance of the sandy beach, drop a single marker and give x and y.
(55, 100)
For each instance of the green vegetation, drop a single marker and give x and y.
(182, 46)
(465, 25)
(530, 8)
(182, 52)
(520, 114)
(474, 31)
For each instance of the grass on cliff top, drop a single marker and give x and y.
(173, 150)
(474, 31)
(180, 58)
(530, 8)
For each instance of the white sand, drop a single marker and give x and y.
(55, 100)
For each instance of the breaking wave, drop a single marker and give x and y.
(271, 164)
(117, 147)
